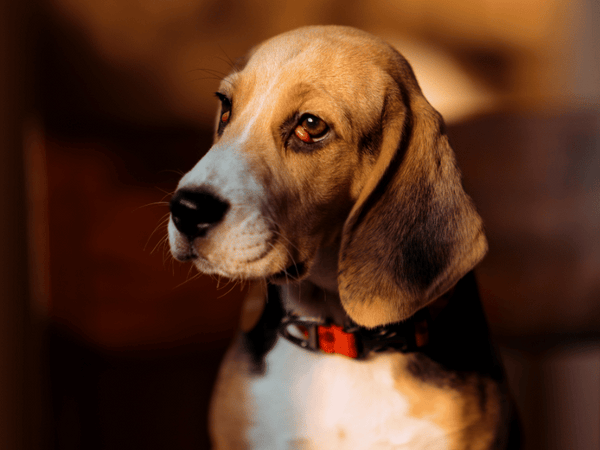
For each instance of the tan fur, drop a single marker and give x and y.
(470, 422)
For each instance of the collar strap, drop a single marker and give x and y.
(355, 341)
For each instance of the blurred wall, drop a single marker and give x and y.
(18, 344)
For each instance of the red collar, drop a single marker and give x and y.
(357, 342)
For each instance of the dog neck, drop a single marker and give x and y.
(317, 295)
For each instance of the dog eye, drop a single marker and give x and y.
(311, 129)
(225, 110)
(225, 116)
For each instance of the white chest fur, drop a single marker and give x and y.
(308, 400)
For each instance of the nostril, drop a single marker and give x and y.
(194, 212)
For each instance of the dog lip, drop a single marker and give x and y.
(187, 256)
(261, 256)
(186, 252)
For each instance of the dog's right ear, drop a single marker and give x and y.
(413, 232)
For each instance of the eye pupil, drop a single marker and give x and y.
(314, 125)
(225, 116)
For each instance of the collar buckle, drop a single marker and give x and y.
(317, 335)
(305, 334)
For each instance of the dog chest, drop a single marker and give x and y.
(317, 401)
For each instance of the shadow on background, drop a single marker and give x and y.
(110, 344)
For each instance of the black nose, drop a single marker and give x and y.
(194, 212)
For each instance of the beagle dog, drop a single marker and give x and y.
(332, 186)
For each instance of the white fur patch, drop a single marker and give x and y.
(319, 401)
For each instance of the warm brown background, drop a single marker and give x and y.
(108, 344)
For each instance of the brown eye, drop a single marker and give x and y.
(225, 111)
(311, 129)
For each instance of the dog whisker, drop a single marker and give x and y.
(167, 193)
(209, 71)
(175, 171)
(190, 279)
(167, 255)
(213, 75)
(159, 203)
(163, 223)
(227, 60)
(235, 283)
(292, 259)
(288, 276)
(275, 229)
(160, 243)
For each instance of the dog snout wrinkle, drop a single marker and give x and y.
(194, 212)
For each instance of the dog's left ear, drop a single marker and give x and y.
(413, 232)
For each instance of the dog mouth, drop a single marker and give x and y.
(295, 272)
(262, 264)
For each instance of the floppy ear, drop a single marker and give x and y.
(413, 232)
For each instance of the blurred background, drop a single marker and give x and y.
(106, 343)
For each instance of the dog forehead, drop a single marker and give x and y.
(332, 51)
(333, 37)
(347, 66)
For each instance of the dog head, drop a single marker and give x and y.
(324, 140)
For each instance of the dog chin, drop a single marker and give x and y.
(262, 269)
